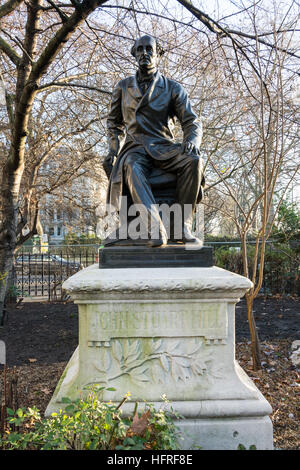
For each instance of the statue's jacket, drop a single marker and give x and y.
(146, 120)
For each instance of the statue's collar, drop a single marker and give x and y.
(144, 77)
(157, 77)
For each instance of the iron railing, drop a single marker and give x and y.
(37, 274)
(41, 275)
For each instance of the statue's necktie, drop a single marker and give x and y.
(144, 86)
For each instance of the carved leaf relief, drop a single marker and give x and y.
(156, 360)
(117, 350)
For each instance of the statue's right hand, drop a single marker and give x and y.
(108, 165)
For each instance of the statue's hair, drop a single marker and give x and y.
(160, 50)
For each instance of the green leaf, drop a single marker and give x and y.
(129, 440)
(93, 445)
(241, 447)
(20, 412)
(66, 400)
(69, 408)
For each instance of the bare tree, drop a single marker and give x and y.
(38, 50)
(262, 149)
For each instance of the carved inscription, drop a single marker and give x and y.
(155, 320)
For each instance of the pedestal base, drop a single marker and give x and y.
(227, 433)
(154, 332)
(169, 256)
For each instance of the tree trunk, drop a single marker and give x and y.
(9, 207)
(255, 344)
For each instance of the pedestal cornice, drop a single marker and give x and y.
(155, 283)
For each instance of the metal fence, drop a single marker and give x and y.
(41, 275)
(38, 274)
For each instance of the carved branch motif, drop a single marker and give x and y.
(166, 358)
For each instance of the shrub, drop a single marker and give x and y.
(90, 424)
(287, 224)
(73, 239)
(229, 258)
(281, 266)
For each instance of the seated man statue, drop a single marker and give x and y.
(140, 139)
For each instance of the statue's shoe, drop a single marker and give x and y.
(161, 241)
(188, 237)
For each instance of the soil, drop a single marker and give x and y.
(40, 338)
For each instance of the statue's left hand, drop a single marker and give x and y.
(188, 148)
(108, 165)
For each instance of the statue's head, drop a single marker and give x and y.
(147, 51)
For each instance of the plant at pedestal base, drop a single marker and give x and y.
(90, 425)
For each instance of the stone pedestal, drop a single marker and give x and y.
(170, 256)
(156, 331)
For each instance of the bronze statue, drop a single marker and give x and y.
(140, 139)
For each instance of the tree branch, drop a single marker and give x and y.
(10, 52)
(9, 7)
(61, 37)
(23, 238)
(30, 86)
(211, 24)
(151, 13)
(61, 13)
(78, 85)
(216, 28)
(262, 41)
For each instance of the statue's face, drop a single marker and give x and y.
(145, 52)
